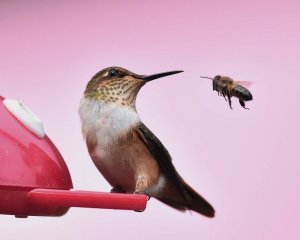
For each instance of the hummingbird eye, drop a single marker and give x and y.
(113, 73)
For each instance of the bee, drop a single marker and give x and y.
(227, 87)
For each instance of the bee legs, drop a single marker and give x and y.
(222, 94)
(243, 104)
(229, 101)
(225, 93)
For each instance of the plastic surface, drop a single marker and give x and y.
(27, 160)
(87, 199)
(25, 116)
(35, 181)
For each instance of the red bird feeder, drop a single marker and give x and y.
(34, 179)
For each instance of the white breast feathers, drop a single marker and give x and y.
(106, 121)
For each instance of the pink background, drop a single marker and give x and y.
(246, 163)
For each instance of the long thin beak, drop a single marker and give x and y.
(159, 75)
(208, 78)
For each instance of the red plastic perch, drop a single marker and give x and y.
(87, 199)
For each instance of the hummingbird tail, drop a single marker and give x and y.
(191, 201)
(198, 203)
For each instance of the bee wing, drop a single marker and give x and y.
(245, 84)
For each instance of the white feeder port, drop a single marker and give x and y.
(25, 116)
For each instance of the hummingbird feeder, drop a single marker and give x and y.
(34, 178)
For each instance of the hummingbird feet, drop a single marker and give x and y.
(148, 198)
(117, 189)
(143, 193)
(141, 186)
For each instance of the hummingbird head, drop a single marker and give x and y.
(119, 85)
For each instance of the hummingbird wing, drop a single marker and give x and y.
(161, 154)
(189, 199)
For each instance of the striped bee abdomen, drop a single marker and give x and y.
(241, 93)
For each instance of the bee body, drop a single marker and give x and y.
(228, 88)
(240, 92)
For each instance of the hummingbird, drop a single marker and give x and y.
(128, 155)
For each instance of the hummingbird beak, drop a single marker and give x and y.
(208, 78)
(159, 75)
